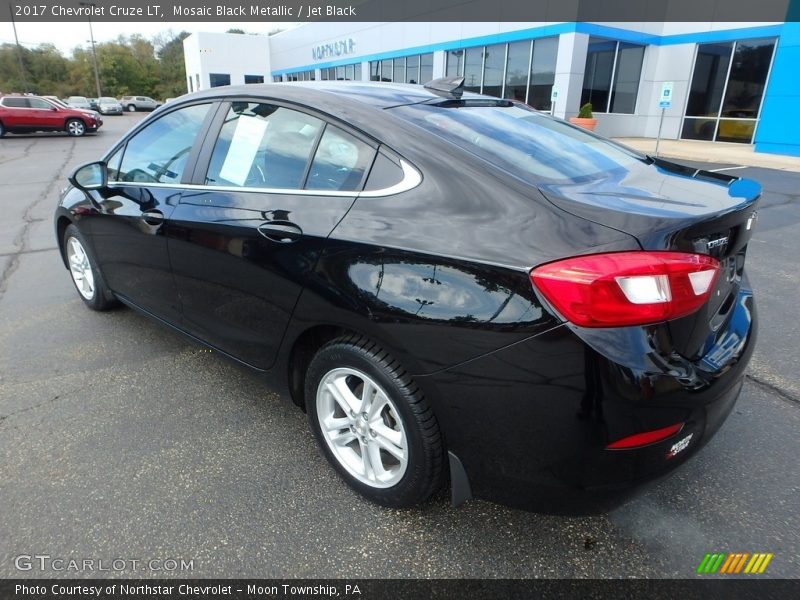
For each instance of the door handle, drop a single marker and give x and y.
(283, 232)
(153, 217)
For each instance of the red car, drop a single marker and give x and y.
(26, 114)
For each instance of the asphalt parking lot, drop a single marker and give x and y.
(122, 439)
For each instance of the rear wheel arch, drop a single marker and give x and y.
(305, 346)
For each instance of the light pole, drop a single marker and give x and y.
(91, 5)
(19, 52)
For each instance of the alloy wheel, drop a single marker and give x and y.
(80, 268)
(76, 128)
(362, 427)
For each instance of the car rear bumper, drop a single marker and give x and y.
(531, 423)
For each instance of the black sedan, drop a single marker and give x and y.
(454, 287)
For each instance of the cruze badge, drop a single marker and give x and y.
(717, 243)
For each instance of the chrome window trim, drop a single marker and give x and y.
(411, 179)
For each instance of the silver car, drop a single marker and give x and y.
(109, 106)
(134, 103)
(79, 102)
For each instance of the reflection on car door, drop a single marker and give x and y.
(130, 231)
(244, 241)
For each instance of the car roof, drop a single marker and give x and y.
(373, 93)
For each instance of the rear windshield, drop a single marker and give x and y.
(521, 140)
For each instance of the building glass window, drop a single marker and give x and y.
(611, 79)
(253, 79)
(473, 67)
(519, 58)
(523, 71)
(455, 63)
(494, 58)
(727, 90)
(626, 78)
(219, 79)
(425, 67)
(386, 70)
(543, 73)
(399, 69)
(412, 69)
(417, 68)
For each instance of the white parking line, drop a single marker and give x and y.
(726, 169)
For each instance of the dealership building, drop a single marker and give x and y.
(714, 81)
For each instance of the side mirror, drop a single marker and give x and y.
(91, 176)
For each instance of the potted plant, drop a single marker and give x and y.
(585, 118)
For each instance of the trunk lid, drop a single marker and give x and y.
(672, 207)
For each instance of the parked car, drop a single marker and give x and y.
(26, 114)
(134, 103)
(79, 102)
(93, 103)
(451, 285)
(109, 106)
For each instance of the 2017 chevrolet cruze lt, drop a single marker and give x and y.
(454, 287)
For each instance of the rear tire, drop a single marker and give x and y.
(387, 447)
(86, 276)
(75, 128)
(131, 108)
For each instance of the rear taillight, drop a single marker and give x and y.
(645, 438)
(627, 288)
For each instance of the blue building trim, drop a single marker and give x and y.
(778, 129)
(616, 33)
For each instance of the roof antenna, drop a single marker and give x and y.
(449, 87)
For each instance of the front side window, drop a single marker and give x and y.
(39, 103)
(262, 145)
(159, 152)
(611, 78)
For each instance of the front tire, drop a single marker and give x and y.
(373, 423)
(87, 278)
(75, 128)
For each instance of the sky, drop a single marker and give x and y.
(67, 36)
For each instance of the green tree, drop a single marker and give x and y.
(127, 65)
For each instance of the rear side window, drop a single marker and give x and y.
(263, 146)
(16, 102)
(385, 173)
(158, 153)
(340, 162)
